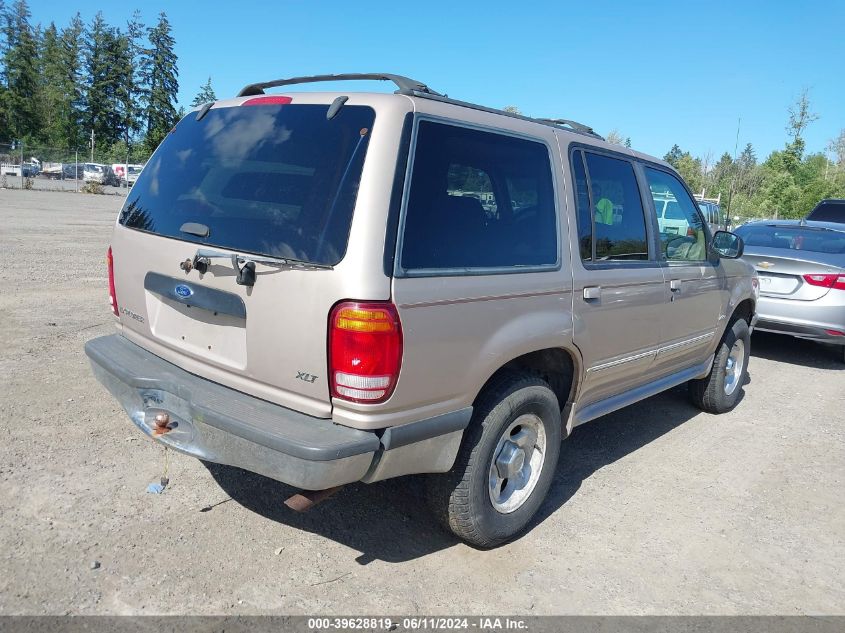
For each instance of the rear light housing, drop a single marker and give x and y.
(270, 100)
(365, 351)
(825, 280)
(112, 293)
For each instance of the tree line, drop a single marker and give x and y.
(57, 85)
(787, 184)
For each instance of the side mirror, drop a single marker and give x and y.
(728, 245)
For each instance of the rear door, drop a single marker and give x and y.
(696, 287)
(262, 178)
(619, 287)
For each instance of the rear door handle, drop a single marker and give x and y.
(675, 285)
(592, 293)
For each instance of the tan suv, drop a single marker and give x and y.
(331, 287)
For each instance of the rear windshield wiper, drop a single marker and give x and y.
(244, 265)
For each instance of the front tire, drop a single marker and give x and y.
(505, 465)
(722, 388)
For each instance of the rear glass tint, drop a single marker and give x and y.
(277, 180)
(793, 238)
(478, 199)
(828, 212)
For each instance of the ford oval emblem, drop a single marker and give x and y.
(183, 291)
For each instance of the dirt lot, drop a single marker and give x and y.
(655, 509)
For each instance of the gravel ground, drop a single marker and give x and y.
(656, 509)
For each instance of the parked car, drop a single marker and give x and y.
(673, 219)
(27, 170)
(801, 266)
(829, 210)
(103, 174)
(133, 171)
(121, 170)
(318, 303)
(73, 171)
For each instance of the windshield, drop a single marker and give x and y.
(794, 238)
(276, 180)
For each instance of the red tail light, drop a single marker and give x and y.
(826, 281)
(112, 293)
(365, 351)
(271, 100)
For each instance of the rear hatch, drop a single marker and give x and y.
(783, 276)
(274, 183)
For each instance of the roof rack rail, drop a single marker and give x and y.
(578, 127)
(414, 88)
(405, 85)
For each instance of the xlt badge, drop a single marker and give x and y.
(305, 376)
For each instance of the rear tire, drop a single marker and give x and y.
(722, 388)
(505, 465)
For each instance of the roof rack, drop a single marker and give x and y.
(405, 85)
(574, 125)
(414, 88)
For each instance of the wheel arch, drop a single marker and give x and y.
(558, 366)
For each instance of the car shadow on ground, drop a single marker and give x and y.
(796, 351)
(390, 520)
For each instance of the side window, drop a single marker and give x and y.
(582, 202)
(616, 205)
(682, 235)
(478, 200)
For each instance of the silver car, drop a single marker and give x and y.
(801, 266)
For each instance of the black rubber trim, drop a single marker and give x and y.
(201, 296)
(397, 436)
(264, 423)
(396, 195)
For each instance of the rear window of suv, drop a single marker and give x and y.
(275, 180)
(828, 211)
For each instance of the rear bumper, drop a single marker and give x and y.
(804, 319)
(218, 424)
(801, 330)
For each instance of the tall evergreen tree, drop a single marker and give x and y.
(109, 69)
(674, 155)
(5, 131)
(161, 78)
(51, 98)
(136, 92)
(20, 61)
(71, 64)
(121, 118)
(97, 78)
(205, 95)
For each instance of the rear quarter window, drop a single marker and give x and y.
(478, 200)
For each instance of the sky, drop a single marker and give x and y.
(659, 72)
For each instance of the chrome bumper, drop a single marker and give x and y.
(218, 424)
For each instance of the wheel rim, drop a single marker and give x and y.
(734, 366)
(517, 463)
